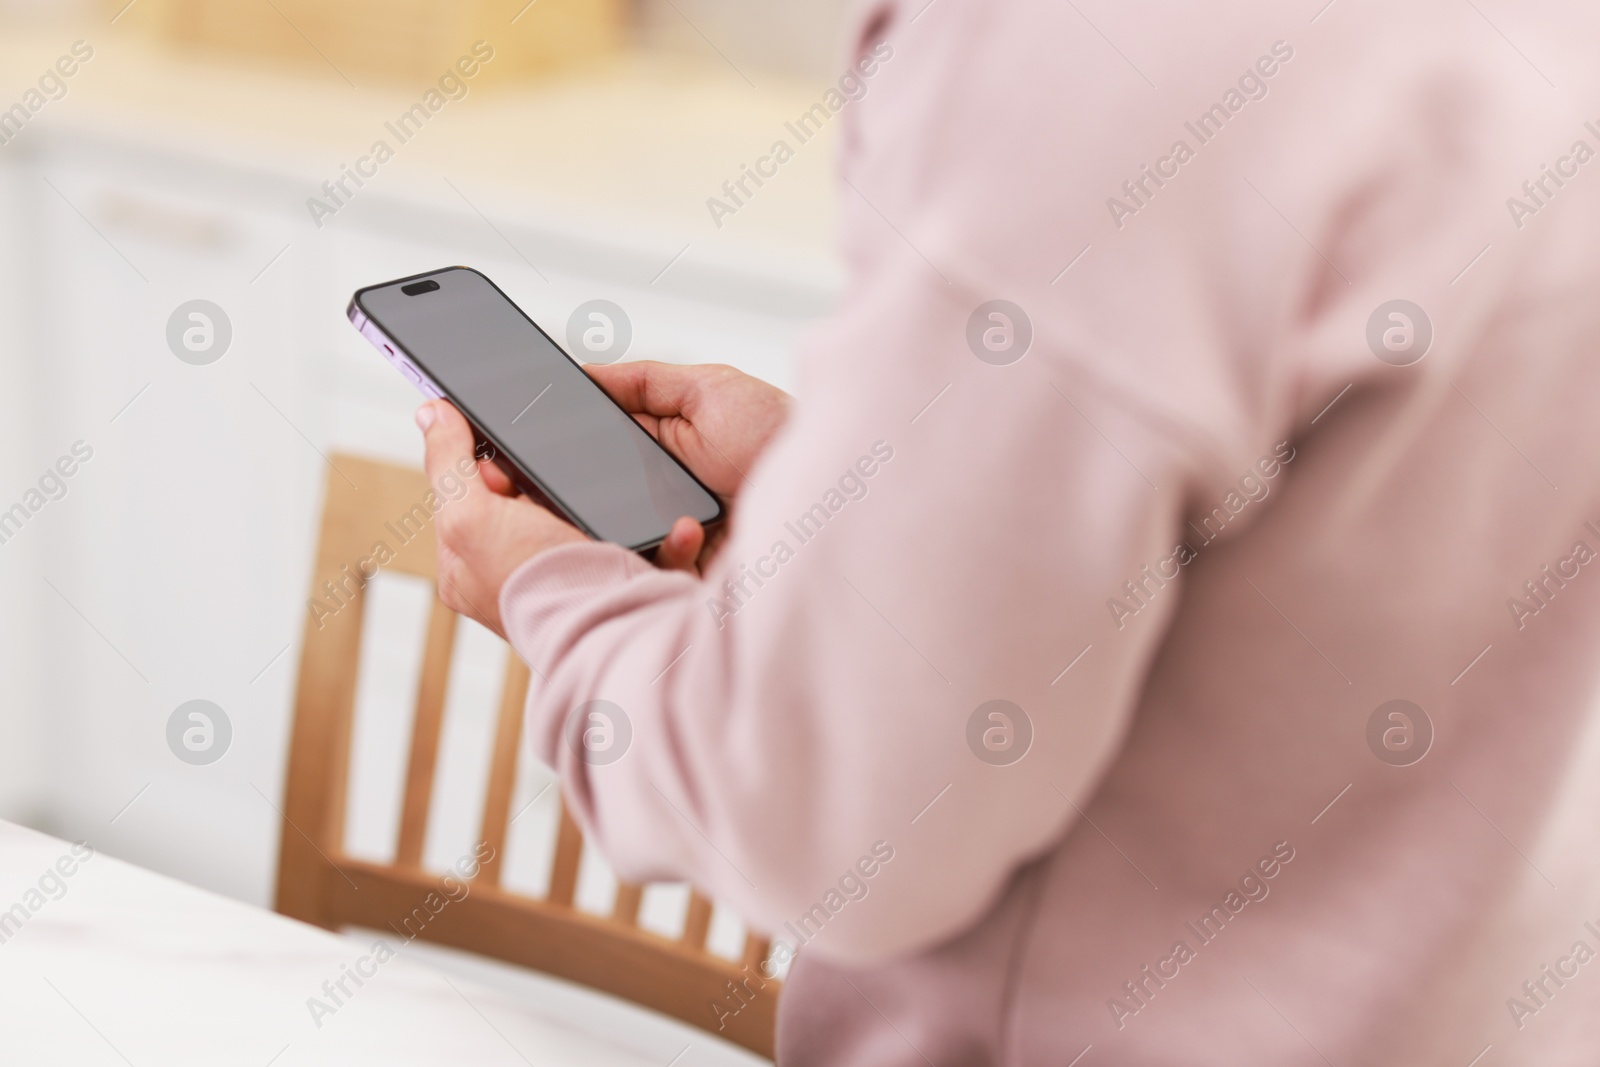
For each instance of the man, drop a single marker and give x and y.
(1178, 555)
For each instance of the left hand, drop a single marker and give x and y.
(486, 532)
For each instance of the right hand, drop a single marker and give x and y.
(714, 419)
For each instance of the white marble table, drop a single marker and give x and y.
(110, 964)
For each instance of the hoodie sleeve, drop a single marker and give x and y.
(946, 577)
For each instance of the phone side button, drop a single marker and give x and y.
(423, 383)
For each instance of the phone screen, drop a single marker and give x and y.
(537, 406)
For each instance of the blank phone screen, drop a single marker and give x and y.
(539, 406)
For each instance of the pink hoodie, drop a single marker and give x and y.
(1267, 505)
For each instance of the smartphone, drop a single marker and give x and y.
(555, 433)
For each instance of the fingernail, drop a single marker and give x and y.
(425, 417)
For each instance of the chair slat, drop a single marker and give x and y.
(569, 849)
(698, 922)
(756, 950)
(626, 909)
(503, 768)
(425, 734)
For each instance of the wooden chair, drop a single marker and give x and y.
(319, 883)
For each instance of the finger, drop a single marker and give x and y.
(713, 542)
(496, 479)
(449, 450)
(681, 548)
(649, 386)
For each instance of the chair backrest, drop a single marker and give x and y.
(367, 502)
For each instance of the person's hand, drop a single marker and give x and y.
(484, 531)
(713, 418)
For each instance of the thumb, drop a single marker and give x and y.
(450, 462)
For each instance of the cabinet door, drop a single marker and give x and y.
(166, 567)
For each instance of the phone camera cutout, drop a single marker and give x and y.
(418, 288)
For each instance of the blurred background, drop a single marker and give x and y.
(175, 163)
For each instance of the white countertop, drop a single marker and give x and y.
(116, 965)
